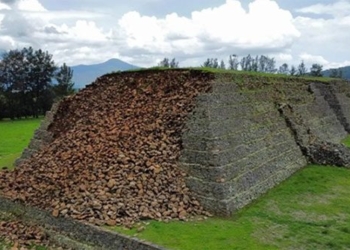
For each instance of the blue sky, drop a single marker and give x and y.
(142, 32)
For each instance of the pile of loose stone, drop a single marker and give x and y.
(114, 156)
(19, 235)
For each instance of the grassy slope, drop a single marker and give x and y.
(14, 137)
(311, 210)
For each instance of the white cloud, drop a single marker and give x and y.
(282, 57)
(6, 42)
(30, 5)
(27, 23)
(310, 59)
(340, 8)
(264, 28)
(333, 65)
(66, 15)
(84, 35)
(324, 36)
(225, 29)
(84, 31)
(4, 6)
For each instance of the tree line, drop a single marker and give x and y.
(261, 63)
(30, 82)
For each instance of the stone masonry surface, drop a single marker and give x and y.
(243, 139)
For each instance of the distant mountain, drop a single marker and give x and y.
(86, 74)
(345, 71)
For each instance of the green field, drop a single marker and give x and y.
(14, 137)
(311, 210)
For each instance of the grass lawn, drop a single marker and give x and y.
(311, 210)
(14, 137)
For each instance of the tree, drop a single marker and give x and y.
(262, 66)
(316, 70)
(222, 65)
(340, 74)
(174, 63)
(255, 63)
(164, 63)
(3, 104)
(233, 62)
(167, 63)
(65, 84)
(271, 65)
(302, 69)
(283, 69)
(246, 63)
(13, 83)
(207, 63)
(211, 63)
(259, 63)
(215, 63)
(25, 80)
(336, 73)
(293, 71)
(333, 73)
(41, 71)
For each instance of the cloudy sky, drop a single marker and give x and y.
(142, 32)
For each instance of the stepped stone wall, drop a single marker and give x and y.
(338, 98)
(245, 138)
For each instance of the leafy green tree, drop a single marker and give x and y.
(259, 63)
(42, 69)
(222, 65)
(283, 69)
(293, 71)
(25, 79)
(246, 63)
(207, 63)
(3, 104)
(262, 66)
(271, 65)
(333, 73)
(211, 63)
(13, 82)
(164, 63)
(316, 70)
(233, 62)
(174, 63)
(65, 84)
(215, 63)
(255, 64)
(167, 63)
(336, 73)
(302, 69)
(266, 64)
